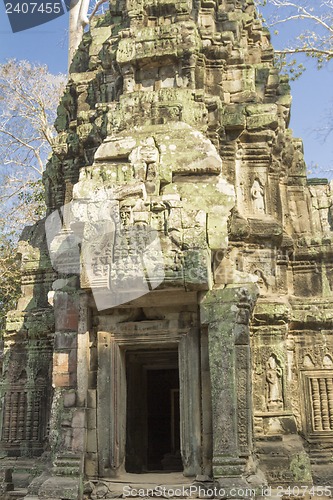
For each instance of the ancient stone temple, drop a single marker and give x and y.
(177, 302)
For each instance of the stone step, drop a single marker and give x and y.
(67, 465)
(18, 493)
(320, 459)
(66, 471)
(321, 456)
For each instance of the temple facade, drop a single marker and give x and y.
(177, 301)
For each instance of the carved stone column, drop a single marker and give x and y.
(227, 313)
(190, 402)
(111, 406)
(83, 350)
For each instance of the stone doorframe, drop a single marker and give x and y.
(111, 390)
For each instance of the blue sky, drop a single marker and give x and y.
(312, 93)
(46, 44)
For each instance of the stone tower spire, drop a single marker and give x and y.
(177, 301)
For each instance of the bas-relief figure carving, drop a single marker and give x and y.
(274, 383)
(257, 195)
(184, 251)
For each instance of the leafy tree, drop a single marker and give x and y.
(307, 25)
(312, 23)
(29, 97)
(9, 276)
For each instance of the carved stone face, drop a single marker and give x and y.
(149, 154)
(146, 153)
(272, 363)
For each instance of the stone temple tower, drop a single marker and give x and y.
(177, 307)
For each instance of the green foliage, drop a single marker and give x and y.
(29, 96)
(311, 26)
(289, 66)
(9, 276)
(34, 196)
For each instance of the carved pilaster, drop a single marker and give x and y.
(111, 406)
(244, 424)
(227, 312)
(83, 350)
(189, 374)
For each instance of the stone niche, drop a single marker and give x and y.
(176, 314)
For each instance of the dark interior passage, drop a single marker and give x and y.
(153, 416)
(163, 419)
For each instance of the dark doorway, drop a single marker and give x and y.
(153, 417)
(163, 419)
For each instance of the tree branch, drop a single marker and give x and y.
(96, 7)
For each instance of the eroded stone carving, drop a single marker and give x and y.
(181, 229)
(274, 383)
(258, 197)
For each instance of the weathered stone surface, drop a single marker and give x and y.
(183, 239)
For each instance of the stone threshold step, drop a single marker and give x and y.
(19, 493)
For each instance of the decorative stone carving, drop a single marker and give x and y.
(274, 383)
(175, 187)
(327, 361)
(258, 197)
